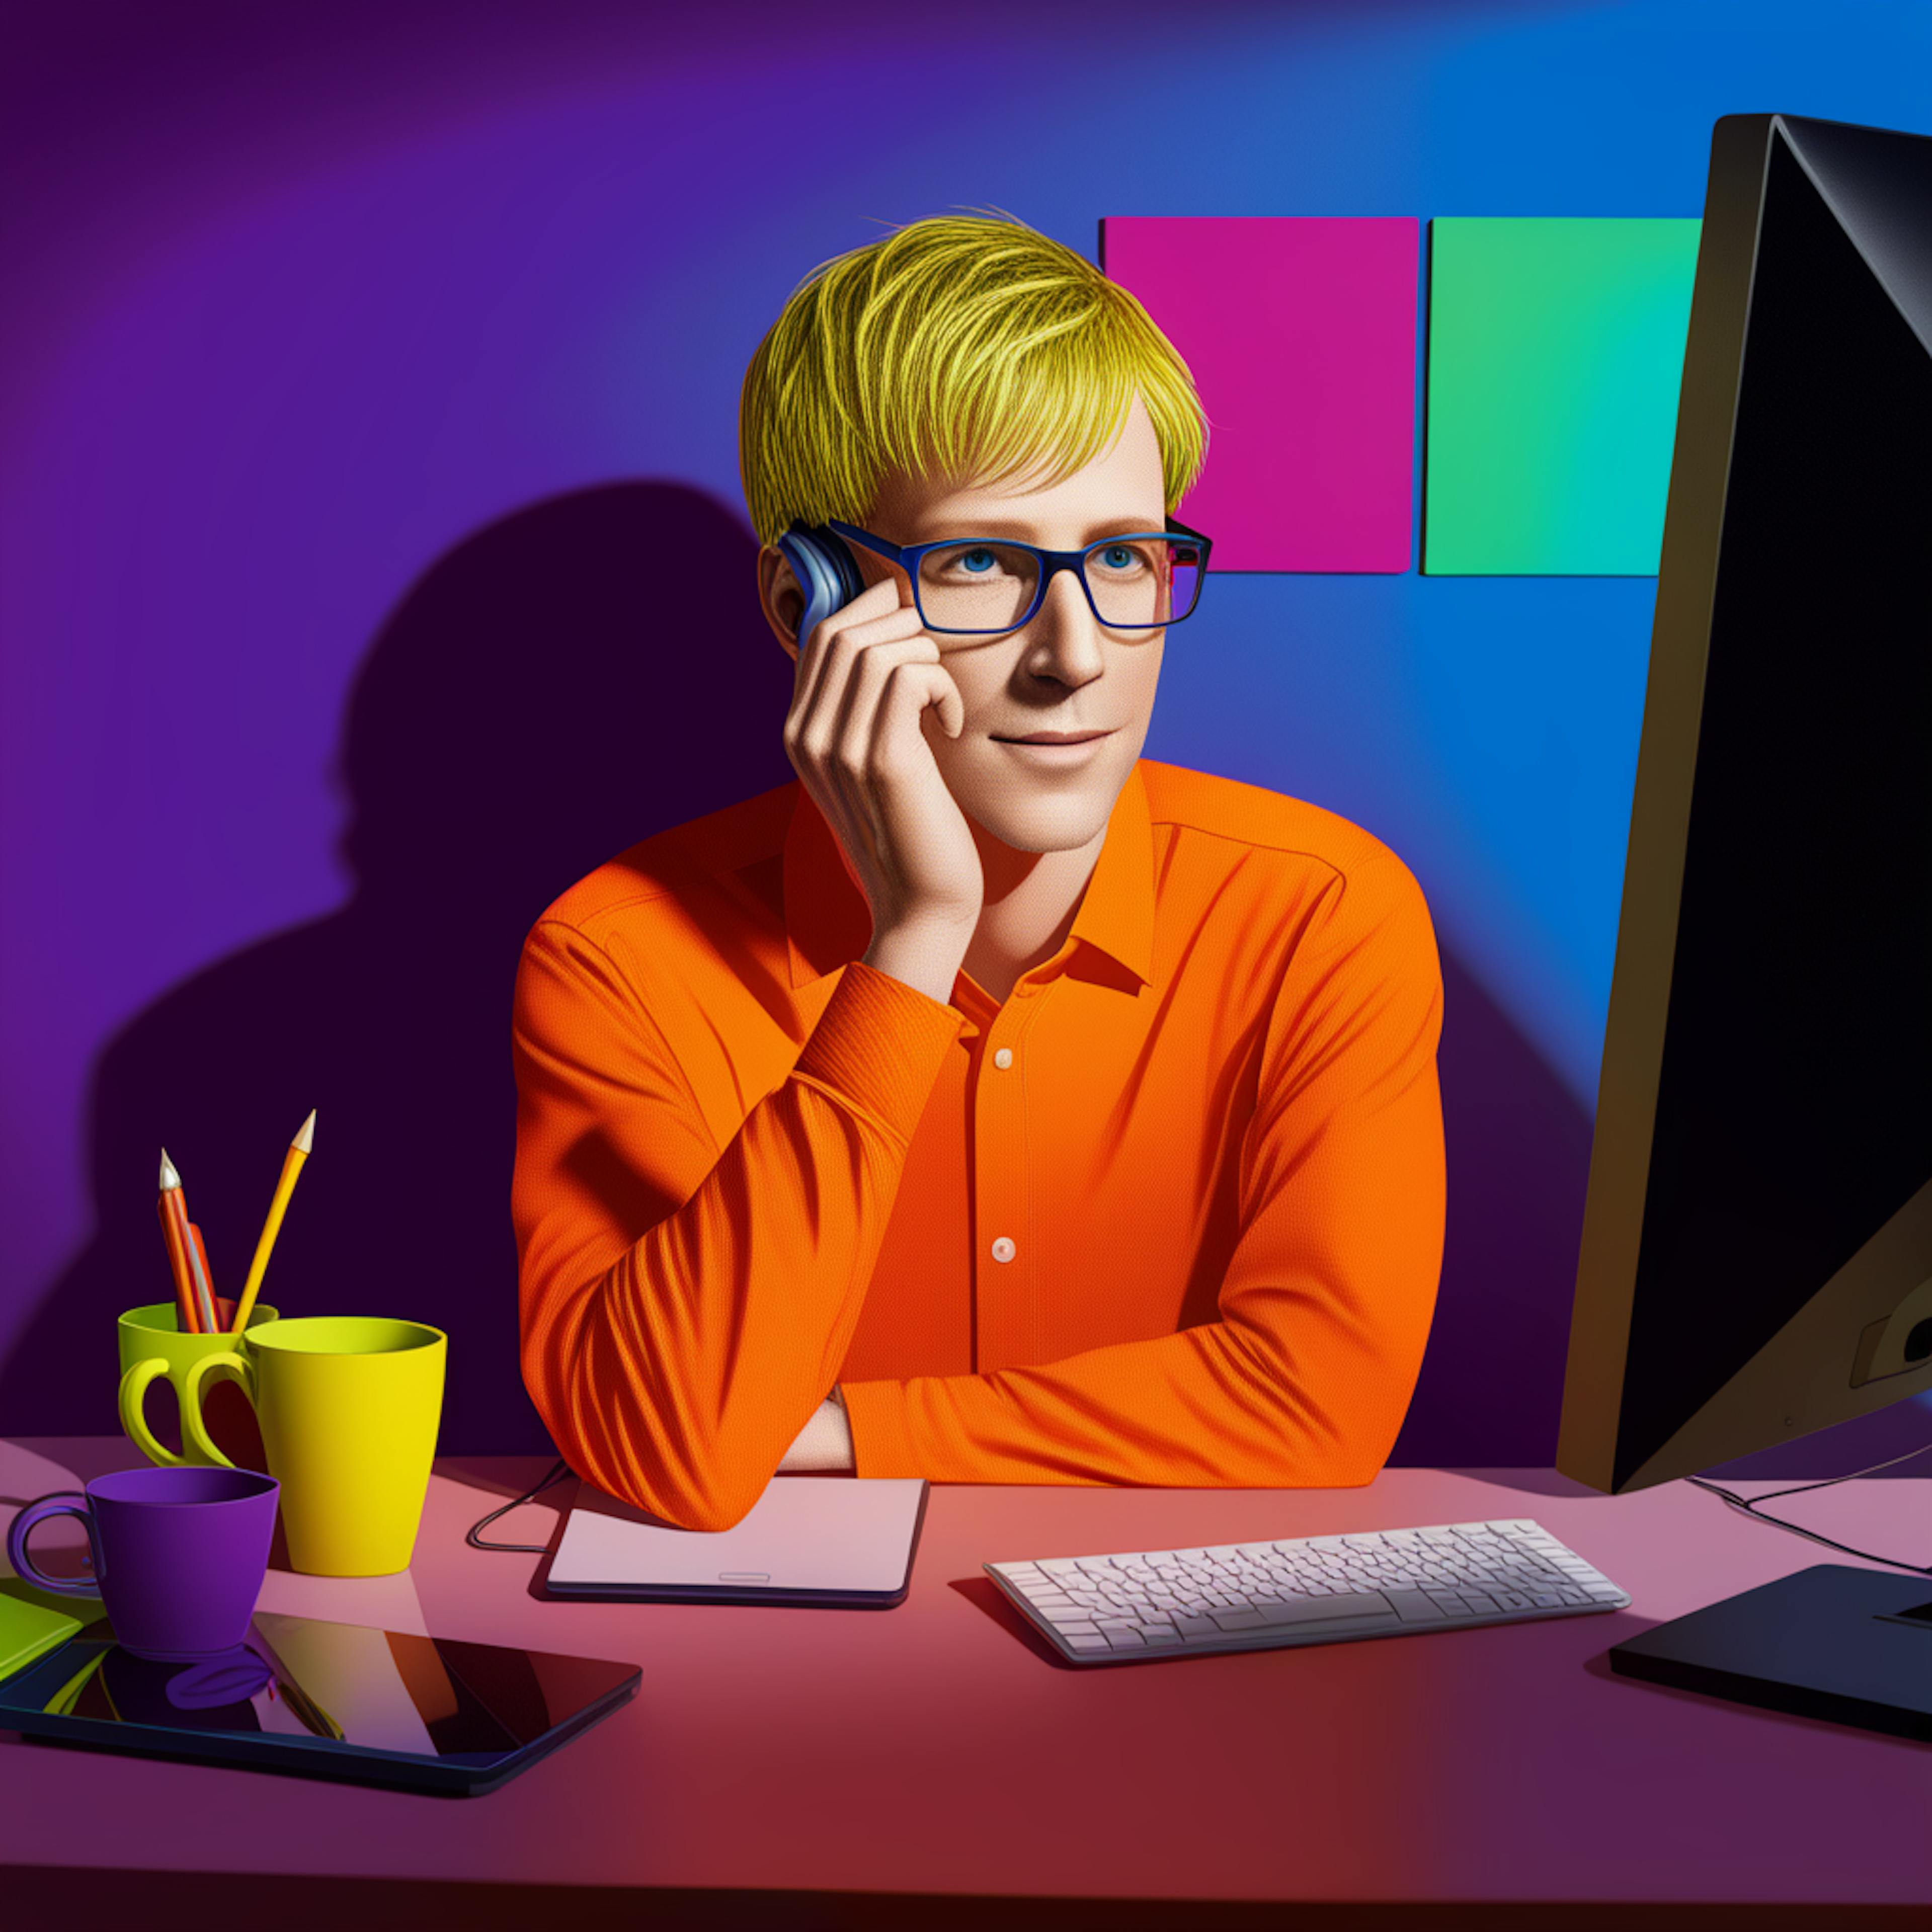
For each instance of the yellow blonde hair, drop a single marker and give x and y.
(969, 346)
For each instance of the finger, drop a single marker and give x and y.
(815, 661)
(912, 685)
(873, 601)
(826, 725)
(865, 685)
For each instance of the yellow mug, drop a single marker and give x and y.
(154, 1345)
(349, 1406)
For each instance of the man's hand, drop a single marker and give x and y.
(856, 735)
(825, 1442)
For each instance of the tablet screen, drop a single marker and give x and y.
(326, 1685)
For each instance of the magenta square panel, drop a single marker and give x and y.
(1300, 332)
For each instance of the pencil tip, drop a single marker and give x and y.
(305, 1139)
(169, 1178)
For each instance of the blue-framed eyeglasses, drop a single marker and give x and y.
(983, 586)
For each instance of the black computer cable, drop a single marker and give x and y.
(474, 1538)
(1749, 1506)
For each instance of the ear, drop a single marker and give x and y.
(780, 598)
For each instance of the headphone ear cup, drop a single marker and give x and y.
(826, 573)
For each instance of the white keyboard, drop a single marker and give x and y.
(1305, 1589)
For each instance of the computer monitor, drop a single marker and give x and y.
(1756, 1259)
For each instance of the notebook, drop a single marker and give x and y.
(843, 1541)
(28, 1628)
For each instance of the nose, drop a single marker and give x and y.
(1063, 638)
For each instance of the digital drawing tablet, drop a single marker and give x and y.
(839, 1542)
(324, 1700)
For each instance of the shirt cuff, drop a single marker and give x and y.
(875, 1412)
(880, 1043)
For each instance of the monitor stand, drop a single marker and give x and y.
(1851, 1646)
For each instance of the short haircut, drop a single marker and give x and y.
(964, 345)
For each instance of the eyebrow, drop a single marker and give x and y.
(996, 527)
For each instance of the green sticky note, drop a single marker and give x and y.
(30, 1626)
(1556, 352)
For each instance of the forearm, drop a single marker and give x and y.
(677, 1374)
(1205, 1408)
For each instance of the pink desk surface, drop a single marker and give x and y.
(934, 1749)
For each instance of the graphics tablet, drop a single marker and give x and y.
(324, 1700)
(841, 1541)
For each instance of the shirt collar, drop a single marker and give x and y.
(828, 923)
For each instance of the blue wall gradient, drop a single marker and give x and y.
(312, 294)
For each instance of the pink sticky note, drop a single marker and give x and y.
(1300, 332)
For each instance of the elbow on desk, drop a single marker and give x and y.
(678, 1491)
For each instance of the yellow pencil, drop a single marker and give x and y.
(291, 1167)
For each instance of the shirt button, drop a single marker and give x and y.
(1004, 1249)
(1004, 1057)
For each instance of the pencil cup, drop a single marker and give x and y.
(349, 1406)
(153, 1348)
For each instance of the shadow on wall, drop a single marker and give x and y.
(584, 674)
(1518, 1146)
(542, 699)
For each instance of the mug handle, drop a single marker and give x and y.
(134, 1411)
(194, 1430)
(61, 1502)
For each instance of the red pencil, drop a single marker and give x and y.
(174, 1205)
(177, 1261)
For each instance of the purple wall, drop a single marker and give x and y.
(374, 565)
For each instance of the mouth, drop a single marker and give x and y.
(1056, 750)
(1054, 738)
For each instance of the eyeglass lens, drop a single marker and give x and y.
(1135, 581)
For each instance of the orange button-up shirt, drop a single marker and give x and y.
(1171, 1214)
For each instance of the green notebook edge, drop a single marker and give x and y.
(29, 1628)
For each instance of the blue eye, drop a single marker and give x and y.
(1118, 557)
(978, 560)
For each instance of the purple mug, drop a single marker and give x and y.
(179, 1553)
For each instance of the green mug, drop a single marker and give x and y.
(153, 1346)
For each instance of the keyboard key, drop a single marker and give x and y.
(1546, 1599)
(1197, 1626)
(1161, 1634)
(1126, 1639)
(1415, 1606)
(1481, 1604)
(1363, 1607)
(1229, 1620)
(1084, 1640)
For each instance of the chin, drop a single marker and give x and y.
(1044, 817)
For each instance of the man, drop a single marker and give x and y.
(970, 1108)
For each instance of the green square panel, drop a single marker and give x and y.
(1555, 351)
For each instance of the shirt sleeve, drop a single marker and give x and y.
(1303, 1378)
(684, 1307)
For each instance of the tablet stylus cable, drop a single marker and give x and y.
(474, 1538)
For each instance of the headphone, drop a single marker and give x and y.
(827, 572)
